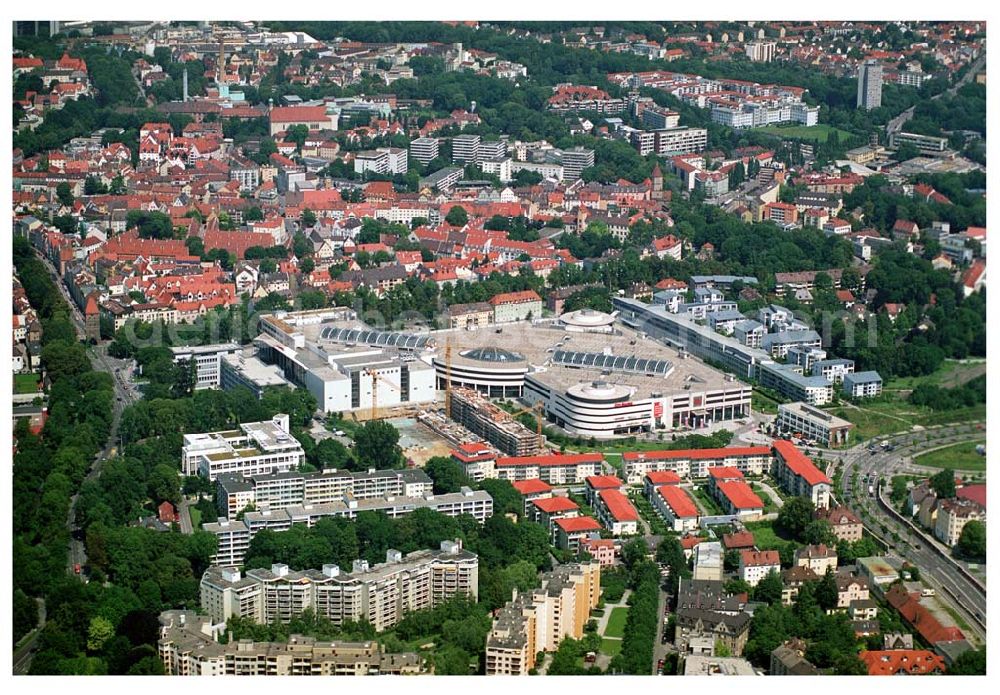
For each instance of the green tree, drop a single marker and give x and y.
(769, 588)
(943, 484)
(330, 454)
(308, 219)
(447, 474)
(65, 194)
(457, 216)
(826, 591)
(795, 516)
(969, 663)
(451, 661)
(376, 445)
(101, 630)
(972, 541)
(25, 614)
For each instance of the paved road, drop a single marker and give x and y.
(125, 394)
(775, 497)
(23, 654)
(965, 596)
(897, 123)
(184, 510)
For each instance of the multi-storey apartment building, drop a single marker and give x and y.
(539, 620)
(953, 515)
(382, 594)
(695, 463)
(869, 85)
(291, 488)
(189, 646)
(424, 149)
(207, 361)
(256, 448)
(798, 475)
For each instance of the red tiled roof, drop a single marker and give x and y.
(740, 494)
(531, 486)
(678, 500)
(799, 463)
(976, 493)
(295, 114)
(743, 539)
(725, 473)
(618, 505)
(759, 558)
(696, 453)
(920, 617)
(604, 481)
(515, 297)
(550, 505)
(688, 542)
(663, 477)
(972, 275)
(578, 524)
(550, 460)
(904, 661)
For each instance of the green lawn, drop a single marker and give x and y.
(195, 517)
(961, 456)
(616, 622)
(769, 505)
(707, 501)
(948, 375)
(611, 647)
(26, 383)
(765, 537)
(763, 403)
(887, 417)
(819, 132)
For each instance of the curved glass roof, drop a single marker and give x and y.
(493, 354)
(403, 341)
(617, 363)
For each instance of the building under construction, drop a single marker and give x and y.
(474, 412)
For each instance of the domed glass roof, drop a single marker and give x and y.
(492, 354)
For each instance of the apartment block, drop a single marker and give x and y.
(189, 646)
(953, 515)
(381, 594)
(813, 423)
(207, 362)
(291, 488)
(465, 149)
(539, 620)
(256, 448)
(798, 475)
(424, 149)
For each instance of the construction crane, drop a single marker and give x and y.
(376, 377)
(447, 378)
(535, 410)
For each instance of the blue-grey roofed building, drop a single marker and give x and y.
(701, 310)
(777, 344)
(833, 370)
(774, 314)
(721, 280)
(708, 295)
(725, 321)
(805, 356)
(680, 331)
(863, 384)
(788, 380)
(749, 332)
